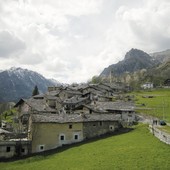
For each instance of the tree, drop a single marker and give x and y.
(35, 91)
(96, 79)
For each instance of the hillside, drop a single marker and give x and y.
(134, 60)
(162, 56)
(164, 69)
(158, 106)
(18, 83)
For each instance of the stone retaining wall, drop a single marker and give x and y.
(161, 135)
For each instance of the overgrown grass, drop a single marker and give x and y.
(137, 149)
(155, 103)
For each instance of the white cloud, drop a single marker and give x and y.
(10, 44)
(147, 26)
(72, 40)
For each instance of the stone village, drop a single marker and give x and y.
(66, 115)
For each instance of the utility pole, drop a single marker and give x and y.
(163, 108)
(0, 119)
(111, 71)
(110, 77)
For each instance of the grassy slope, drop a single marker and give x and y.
(159, 105)
(137, 149)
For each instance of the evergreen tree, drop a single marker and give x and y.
(35, 91)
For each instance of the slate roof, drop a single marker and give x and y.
(50, 97)
(71, 91)
(80, 87)
(38, 105)
(122, 106)
(75, 100)
(2, 131)
(93, 89)
(39, 96)
(64, 89)
(105, 87)
(52, 94)
(71, 118)
(101, 86)
(95, 109)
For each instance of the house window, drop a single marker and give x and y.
(62, 137)
(76, 137)
(94, 125)
(8, 149)
(101, 123)
(41, 147)
(111, 127)
(70, 126)
(23, 150)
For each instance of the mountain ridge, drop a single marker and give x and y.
(133, 72)
(18, 83)
(134, 60)
(162, 56)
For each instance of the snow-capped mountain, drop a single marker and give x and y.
(17, 83)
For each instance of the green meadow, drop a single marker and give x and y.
(155, 103)
(137, 149)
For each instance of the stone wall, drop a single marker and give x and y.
(9, 149)
(97, 128)
(161, 135)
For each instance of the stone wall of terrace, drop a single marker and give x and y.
(161, 135)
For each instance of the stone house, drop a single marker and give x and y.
(99, 124)
(4, 134)
(34, 105)
(124, 109)
(49, 131)
(51, 101)
(10, 146)
(147, 85)
(69, 93)
(167, 82)
(15, 147)
(26, 107)
(55, 88)
(75, 103)
(55, 99)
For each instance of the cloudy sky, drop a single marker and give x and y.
(72, 40)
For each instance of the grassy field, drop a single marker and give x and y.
(165, 128)
(137, 149)
(155, 103)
